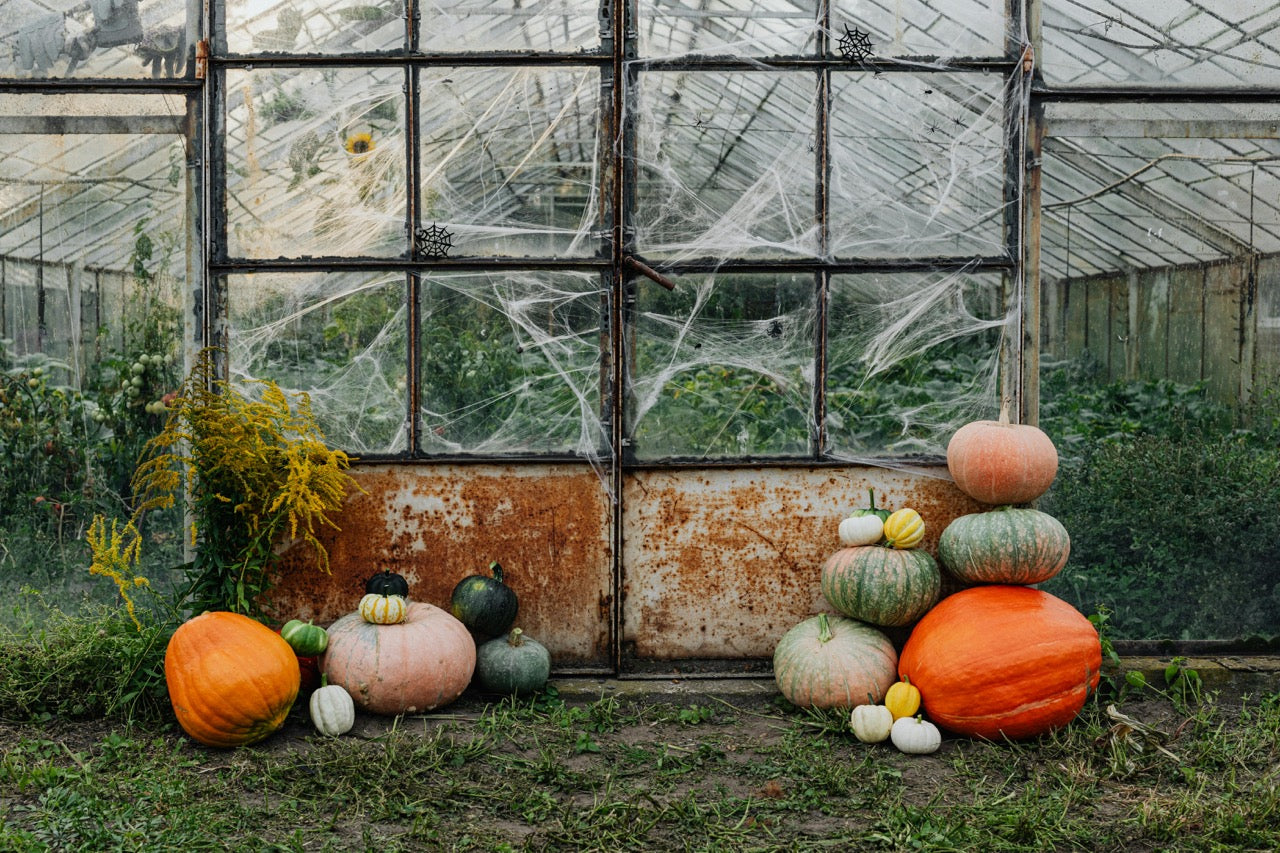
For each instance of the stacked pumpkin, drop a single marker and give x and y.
(508, 661)
(1002, 659)
(879, 579)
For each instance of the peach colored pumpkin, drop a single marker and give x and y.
(830, 661)
(410, 667)
(231, 679)
(998, 462)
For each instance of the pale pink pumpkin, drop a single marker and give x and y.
(416, 665)
(998, 462)
(830, 661)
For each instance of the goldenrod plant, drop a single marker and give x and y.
(254, 470)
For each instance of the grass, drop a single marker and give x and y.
(92, 760)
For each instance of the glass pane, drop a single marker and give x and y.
(314, 26)
(737, 27)
(1161, 231)
(508, 160)
(511, 363)
(922, 28)
(725, 164)
(101, 38)
(1171, 43)
(723, 367)
(95, 248)
(911, 357)
(559, 26)
(339, 337)
(917, 165)
(315, 163)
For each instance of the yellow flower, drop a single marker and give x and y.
(359, 143)
(115, 553)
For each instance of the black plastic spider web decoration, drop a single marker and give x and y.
(434, 242)
(855, 45)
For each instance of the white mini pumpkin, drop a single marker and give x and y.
(915, 735)
(333, 712)
(871, 723)
(862, 529)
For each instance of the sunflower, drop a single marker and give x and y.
(359, 143)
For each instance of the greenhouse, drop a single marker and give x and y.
(642, 298)
(857, 372)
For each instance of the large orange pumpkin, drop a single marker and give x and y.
(998, 462)
(1002, 661)
(231, 680)
(412, 666)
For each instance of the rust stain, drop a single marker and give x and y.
(720, 564)
(548, 526)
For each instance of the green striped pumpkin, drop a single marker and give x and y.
(882, 586)
(1006, 545)
(828, 661)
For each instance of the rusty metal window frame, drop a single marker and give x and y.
(623, 271)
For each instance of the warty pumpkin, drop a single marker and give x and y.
(416, 665)
(1005, 545)
(998, 462)
(1002, 662)
(231, 679)
(830, 661)
(882, 586)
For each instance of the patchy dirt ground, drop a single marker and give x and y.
(610, 765)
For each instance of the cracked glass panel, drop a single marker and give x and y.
(98, 38)
(561, 26)
(511, 363)
(725, 165)
(910, 356)
(918, 165)
(722, 367)
(340, 337)
(508, 160)
(314, 26)
(1171, 43)
(315, 163)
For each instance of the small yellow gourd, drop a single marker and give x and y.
(902, 699)
(904, 529)
(383, 609)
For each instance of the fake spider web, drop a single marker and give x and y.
(733, 363)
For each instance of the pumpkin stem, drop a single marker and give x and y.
(872, 493)
(824, 629)
(496, 568)
(516, 637)
(1004, 412)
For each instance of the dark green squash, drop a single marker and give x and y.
(387, 582)
(486, 605)
(513, 664)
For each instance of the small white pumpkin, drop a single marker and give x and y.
(861, 530)
(915, 735)
(871, 723)
(333, 711)
(383, 609)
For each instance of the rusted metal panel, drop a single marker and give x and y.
(548, 525)
(719, 563)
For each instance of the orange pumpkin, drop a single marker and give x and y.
(998, 462)
(1002, 661)
(231, 680)
(408, 667)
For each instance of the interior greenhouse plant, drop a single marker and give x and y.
(312, 312)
